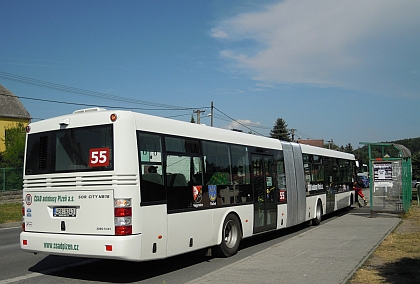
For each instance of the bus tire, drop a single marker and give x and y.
(231, 236)
(318, 214)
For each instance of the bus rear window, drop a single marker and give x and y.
(69, 150)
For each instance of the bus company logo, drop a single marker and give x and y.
(197, 193)
(212, 194)
(28, 199)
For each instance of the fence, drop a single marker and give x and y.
(11, 179)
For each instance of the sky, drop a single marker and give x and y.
(344, 71)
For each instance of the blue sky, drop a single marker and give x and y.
(344, 70)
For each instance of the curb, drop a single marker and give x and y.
(10, 225)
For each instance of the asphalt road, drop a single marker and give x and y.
(17, 266)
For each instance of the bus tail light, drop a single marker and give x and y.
(122, 216)
(23, 218)
(122, 212)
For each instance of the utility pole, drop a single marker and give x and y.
(211, 114)
(198, 112)
(330, 143)
(292, 131)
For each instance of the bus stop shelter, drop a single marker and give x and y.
(390, 177)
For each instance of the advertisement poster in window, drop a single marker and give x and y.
(382, 172)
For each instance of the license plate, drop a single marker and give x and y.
(64, 212)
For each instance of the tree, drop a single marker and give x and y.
(415, 164)
(330, 145)
(192, 119)
(280, 131)
(348, 148)
(12, 157)
(15, 147)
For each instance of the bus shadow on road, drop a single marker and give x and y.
(118, 271)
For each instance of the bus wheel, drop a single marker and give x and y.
(318, 214)
(231, 236)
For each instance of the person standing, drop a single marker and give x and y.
(359, 192)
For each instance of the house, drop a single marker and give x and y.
(312, 142)
(12, 112)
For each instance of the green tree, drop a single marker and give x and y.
(192, 119)
(332, 146)
(348, 148)
(14, 140)
(280, 131)
(415, 165)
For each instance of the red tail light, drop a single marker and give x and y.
(123, 230)
(122, 216)
(23, 218)
(122, 212)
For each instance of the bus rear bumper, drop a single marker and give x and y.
(107, 247)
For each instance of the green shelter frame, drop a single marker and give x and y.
(403, 201)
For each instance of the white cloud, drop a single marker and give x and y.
(356, 44)
(219, 33)
(246, 126)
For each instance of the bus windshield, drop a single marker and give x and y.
(70, 150)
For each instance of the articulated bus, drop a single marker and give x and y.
(123, 185)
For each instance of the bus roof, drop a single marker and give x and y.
(150, 123)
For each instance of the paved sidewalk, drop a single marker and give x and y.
(329, 253)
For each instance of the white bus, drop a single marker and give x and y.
(130, 186)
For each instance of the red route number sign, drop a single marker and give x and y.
(282, 196)
(99, 157)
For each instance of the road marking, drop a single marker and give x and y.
(45, 272)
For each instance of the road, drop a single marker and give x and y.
(17, 266)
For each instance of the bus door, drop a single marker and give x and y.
(328, 164)
(265, 202)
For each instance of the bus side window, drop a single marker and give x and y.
(241, 174)
(218, 172)
(150, 158)
(178, 175)
(281, 178)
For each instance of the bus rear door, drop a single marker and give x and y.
(265, 203)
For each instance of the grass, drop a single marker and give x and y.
(10, 212)
(397, 258)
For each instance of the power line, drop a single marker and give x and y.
(238, 121)
(64, 88)
(78, 104)
(54, 86)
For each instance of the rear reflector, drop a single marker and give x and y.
(25, 242)
(108, 247)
